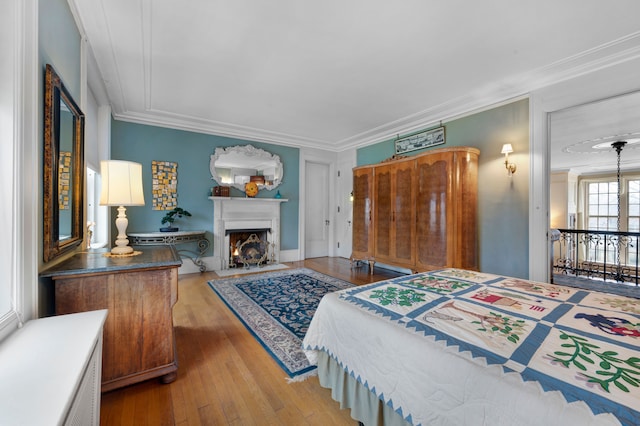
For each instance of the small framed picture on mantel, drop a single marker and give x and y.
(420, 140)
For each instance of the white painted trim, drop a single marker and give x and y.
(243, 213)
(28, 123)
(76, 18)
(200, 125)
(11, 169)
(51, 371)
(21, 184)
(539, 267)
(290, 255)
(618, 51)
(30, 238)
(344, 231)
(102, 231)
(619, 78)
(320, 157)
(95, 82)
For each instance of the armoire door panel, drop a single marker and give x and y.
(467, 218)
(404, 214)
(432, 209)
(362, 240)
(383, 212)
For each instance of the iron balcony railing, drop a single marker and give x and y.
(607, 255)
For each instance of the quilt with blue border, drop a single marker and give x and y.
(583, 344)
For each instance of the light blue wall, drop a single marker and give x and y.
(59, 42)
(58, 45)
(503, 202)
(192, 151)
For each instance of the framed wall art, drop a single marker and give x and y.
(420, 140)
(164, 175)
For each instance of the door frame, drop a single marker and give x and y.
(600, 84)
(344, 220)
(321, 157)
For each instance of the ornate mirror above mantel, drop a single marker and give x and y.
(63, 174)
(236, 165)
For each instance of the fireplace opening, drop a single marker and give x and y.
(248, 247)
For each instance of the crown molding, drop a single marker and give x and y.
(520, 86)
(199, 125)
(517, 87)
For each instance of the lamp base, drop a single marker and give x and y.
(134, 253)
(119, 251)
(122, 247)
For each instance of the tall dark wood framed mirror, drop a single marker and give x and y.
(63, 185)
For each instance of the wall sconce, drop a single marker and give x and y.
(121, 186)
(351, 197)
(506, 150)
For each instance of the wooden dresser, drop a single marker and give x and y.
(418, 212)
(139, 293)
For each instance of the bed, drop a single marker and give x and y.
(457, 347)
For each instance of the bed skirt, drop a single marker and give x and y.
(365, 406)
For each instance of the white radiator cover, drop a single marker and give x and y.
(50, 371)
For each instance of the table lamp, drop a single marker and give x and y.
(121, 186)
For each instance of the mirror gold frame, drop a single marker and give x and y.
(63, 174)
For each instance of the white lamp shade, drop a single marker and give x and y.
(121, 183)
(506, 149)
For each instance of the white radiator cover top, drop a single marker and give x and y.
(236, 213)
(42, 367)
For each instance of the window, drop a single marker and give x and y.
(11, 102)
(602, 215)
(634, 206)
(633, 218)
(603, 206)
(97, 215)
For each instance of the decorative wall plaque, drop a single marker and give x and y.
(420, 140)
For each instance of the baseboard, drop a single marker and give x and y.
(393, 268)
(289, 255)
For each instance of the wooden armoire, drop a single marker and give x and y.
(418, 212)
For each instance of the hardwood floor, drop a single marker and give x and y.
(225, 377)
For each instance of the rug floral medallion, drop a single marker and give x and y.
(277, 308)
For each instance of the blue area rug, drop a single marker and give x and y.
(277, 307)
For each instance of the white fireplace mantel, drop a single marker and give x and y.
(237, 213)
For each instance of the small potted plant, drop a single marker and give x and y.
(171, 216)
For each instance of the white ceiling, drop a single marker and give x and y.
(581, 136)
(337, 74)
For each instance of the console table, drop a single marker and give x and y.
(173, 238)
(139, 292)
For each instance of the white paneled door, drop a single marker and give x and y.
(317, 220)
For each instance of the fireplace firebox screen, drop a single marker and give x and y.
(249, 248)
